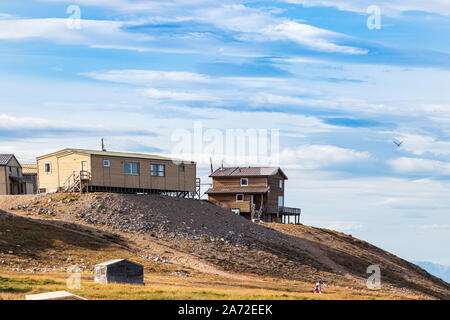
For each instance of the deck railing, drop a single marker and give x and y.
(289, 210)
(282, 210)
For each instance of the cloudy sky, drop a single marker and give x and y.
(338, 90)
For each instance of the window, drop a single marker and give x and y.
(281, 184)
(132, 168)
(10, 170)
(239, 197)
(280, 201)
(48, 167)
(244, 182)
(157, 170)
(106, 163)
(181, 168)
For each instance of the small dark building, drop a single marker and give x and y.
(119, 271)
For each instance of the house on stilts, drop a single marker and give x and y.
(256, 193)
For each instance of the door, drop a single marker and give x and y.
(84, 171)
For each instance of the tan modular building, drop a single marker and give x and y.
(29, 172)
(256, 193)
(11, 179)
(72, 170)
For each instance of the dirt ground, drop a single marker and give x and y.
(198, 237)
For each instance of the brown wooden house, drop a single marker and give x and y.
(253, 192)
(76, 170)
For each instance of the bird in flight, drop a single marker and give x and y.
(398, 143)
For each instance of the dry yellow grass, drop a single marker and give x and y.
(42, 244)
(166, 287)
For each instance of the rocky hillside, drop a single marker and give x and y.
(202, 236)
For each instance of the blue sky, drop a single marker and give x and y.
(135, 72)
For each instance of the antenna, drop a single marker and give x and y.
(210, 162)
(103, 146)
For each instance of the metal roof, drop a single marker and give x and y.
(5, 158)
(111, 262)
(247, 172)
(111, 154)
(29, 168)
(241, 190)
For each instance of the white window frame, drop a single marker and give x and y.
(49, 167)
(158, 172)
(240, 194)
(281, 183)
(106, 163)
(244, 185)
(132, 173)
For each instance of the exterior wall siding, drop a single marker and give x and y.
(235, 182)
(275, 190)
(3, 180)
(270, 199)
(7, 185)
(114, 176)
(62, 167)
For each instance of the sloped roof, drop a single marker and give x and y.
(237, 190)
(111, 262)
(29, 168)
(247, 172)
(110, 154)
(5, 158)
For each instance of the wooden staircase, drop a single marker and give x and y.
(78, 181)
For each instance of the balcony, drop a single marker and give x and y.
(282, 214)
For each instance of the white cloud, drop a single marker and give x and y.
(417, 165)
(309, 36)
(345, 226)
(319, 156)
(420, 145)
(388, 7)
(176, 95)
(260, 25)
(6, 16)
(93, 33)
(11, 122)
(146, 77)
(250, 24)
(435, 226)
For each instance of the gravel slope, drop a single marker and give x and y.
(211, 235)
